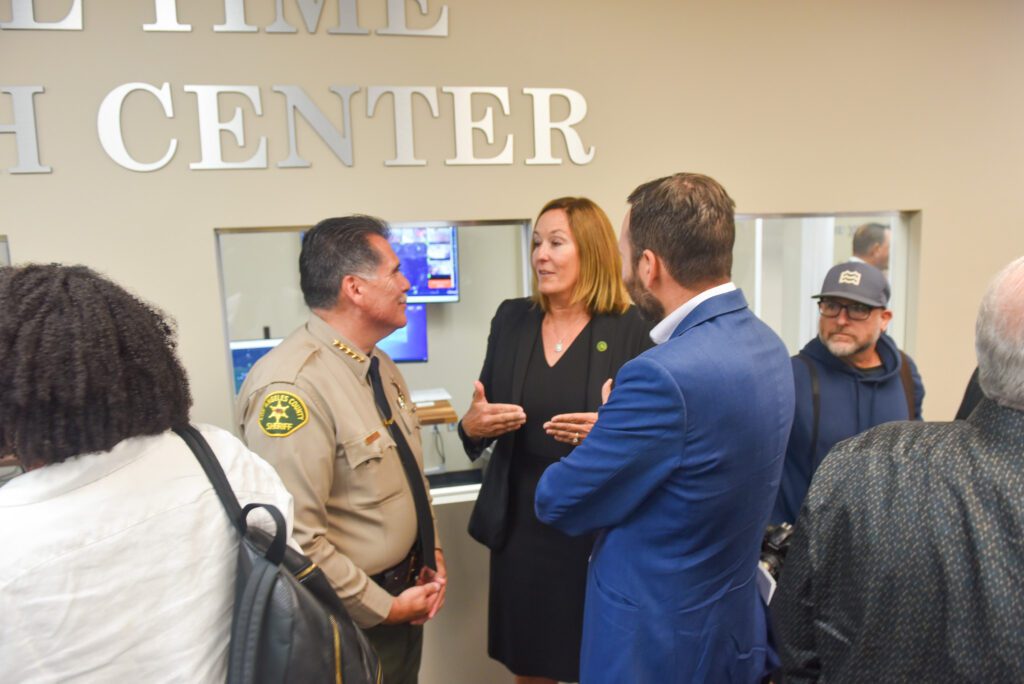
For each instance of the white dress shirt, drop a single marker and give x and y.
(663, 331)
(119, 566)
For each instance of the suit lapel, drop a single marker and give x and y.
(529, 328)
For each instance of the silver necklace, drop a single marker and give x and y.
(559, 344)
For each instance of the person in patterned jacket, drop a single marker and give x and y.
(906, 562)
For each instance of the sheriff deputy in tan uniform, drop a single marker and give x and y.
(311, 409)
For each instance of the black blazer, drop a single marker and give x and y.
(514, 331)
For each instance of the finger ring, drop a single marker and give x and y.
(576, 438)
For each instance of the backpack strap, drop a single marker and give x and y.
(247, 626)
(253, 598)
(275, 550)
(815, 401)
(908, 385)
(211, 466)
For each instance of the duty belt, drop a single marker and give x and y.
(397, 579)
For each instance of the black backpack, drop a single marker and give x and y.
(288, 624)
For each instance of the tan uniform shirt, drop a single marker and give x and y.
(307, 407)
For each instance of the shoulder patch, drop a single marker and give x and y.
(282, 414)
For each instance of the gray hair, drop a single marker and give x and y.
(999, 338)
(333, 249)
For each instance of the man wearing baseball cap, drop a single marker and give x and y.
(848, 379)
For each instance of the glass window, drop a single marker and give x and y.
(780, 261)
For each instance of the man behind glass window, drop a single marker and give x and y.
(871, 245)
(849, 378)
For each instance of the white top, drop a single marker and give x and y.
(119, 566)
(661, 332)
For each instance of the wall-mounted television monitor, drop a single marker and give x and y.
(430, 260)
(245, 353)
(408, 344)
(405, 345)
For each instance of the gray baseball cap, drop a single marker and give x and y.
(856, 281)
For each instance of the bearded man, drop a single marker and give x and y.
(678, 475)
(848, 379)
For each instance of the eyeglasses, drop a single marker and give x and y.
(854, 310)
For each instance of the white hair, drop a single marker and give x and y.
(999, 338)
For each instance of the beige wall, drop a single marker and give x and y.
(796, 107)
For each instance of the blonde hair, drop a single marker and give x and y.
(600, 285)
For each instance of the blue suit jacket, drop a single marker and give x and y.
(679, 474)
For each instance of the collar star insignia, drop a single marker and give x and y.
(349, 351)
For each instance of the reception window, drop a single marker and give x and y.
(780, 261)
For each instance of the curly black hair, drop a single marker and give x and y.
(83, 365)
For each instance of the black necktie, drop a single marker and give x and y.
(412, 469)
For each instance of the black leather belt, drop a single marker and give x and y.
(397, 579)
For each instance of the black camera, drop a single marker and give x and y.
(774, 548)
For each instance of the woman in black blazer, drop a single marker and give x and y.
(550, 358)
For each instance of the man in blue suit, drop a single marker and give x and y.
(680, 471)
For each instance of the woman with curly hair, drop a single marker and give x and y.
(117, 561)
